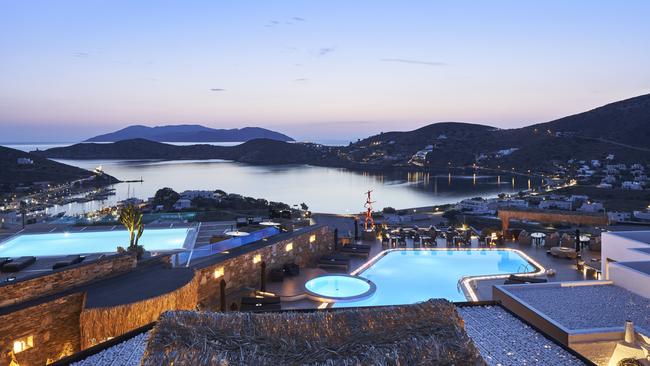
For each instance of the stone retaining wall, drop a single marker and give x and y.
(53, 327)
(99, 324)
(244, 270)
(23, 290)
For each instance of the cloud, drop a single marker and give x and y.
(325, 50)
(415, 62)
(80, 54)
(301, 80)
(299, 19)
(217, 89)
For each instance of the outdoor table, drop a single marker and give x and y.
(538, 238)
(423, 238)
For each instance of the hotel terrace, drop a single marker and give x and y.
(328, 291)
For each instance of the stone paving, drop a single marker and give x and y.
(127, 353)
(582, 307)
(504, 340)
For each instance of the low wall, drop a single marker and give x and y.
(244, 270)
(53, 326)
(630, 279)
(65, 278)
(100, 324)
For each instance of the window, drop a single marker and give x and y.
(23, 344)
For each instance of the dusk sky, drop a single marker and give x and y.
(314, 70)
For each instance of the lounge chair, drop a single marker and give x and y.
(514, 279)
(334, 261)
(256, 304)
(18, 264)
(68, 261)
(356, 249)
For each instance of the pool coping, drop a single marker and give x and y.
(332, 299)
(465, 282)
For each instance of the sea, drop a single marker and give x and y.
(323, 189)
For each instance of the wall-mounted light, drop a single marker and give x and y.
(218, 272)
(312, 238)
(289, 247)
(257, 258)
(23, 344)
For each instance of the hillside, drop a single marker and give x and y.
(259, 151)
(41, 170)
(190, 133)
(620, 128)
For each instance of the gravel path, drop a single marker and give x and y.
(504, 340)
(127, 353)
(585, 307)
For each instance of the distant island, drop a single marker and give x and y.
(617, 132)
(190, 133)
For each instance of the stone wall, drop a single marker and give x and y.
(99, 324)
(53, 326)
(244, 270)
(23, 290)
(551, 217)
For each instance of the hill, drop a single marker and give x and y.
(259, 151)
(190, 133)
(13, 173)
(621, 129)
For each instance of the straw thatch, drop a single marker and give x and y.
(428, 333)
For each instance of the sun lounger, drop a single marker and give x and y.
(291, 269)
(18, 264)
(514, 279)
(256, 304)
(333, 261)
(68, 261)
(356, 249)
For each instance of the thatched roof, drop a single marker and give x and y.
(429, 333)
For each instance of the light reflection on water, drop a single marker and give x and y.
(323, 189)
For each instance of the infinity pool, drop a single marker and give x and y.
(57, 244)
(410, 276)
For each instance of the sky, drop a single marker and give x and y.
(312, 69)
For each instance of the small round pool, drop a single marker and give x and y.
(339, 287)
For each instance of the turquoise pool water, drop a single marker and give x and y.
(337, 286)
(57, 244)
(410, 276)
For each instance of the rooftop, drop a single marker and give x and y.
(503, 339)
(640, 236)
(581, 307)
(643, 266)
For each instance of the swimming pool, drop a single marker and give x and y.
(57, 244)
(410, 276)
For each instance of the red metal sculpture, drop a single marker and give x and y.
(369, 224)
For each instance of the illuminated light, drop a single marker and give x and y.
(257, 258)
(261, 294)
(23, 344)
(312, 238)
(218, 272)
(323, 305)
(289, 247)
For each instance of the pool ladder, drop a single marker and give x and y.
(523, 268)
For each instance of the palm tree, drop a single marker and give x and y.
(131, 218)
